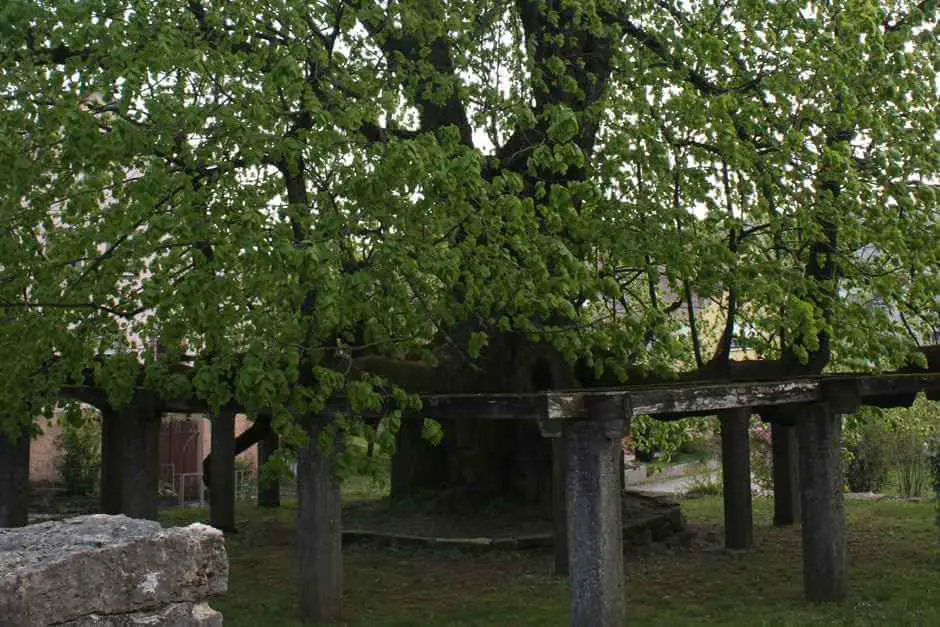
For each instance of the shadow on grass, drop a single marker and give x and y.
(893, 567)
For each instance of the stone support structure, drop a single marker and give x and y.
(786, 474)
(222, 478)
(559, 509)
(594, 514)
(139, 438)
(823, 515)
(14, 481)
(736, 477)
(111, 461)
(319, 528)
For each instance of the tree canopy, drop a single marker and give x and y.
(261, 189)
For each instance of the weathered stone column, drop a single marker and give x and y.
(14, 481)
(410, 459)
(111, 460)
(140, 458)
(786, 474)
(269, 491)
(559, 509)
(736, 477)
(594, 513)
(222, 478)
(319, 529)
(824, 547)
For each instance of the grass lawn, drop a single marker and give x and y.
(894, 576)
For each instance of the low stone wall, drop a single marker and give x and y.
(110, 571)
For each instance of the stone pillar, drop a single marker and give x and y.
(269, 491)
(823, 516)
(140, 458)
(410, 460)
(319, 529)
(222, 480)
(736, 477)
(14, 481)
(786, 462)
(110, 491)
(559, 511)
(594, 513)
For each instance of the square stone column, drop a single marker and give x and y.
(222, 471)
(559, 508)
(736, 477)
(14, 481)
(140, 458)
(594, 515)
(823, 516)
(786, 475)
(111, 460)
(319, 525)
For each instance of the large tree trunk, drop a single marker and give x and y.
(14, 481)
(477, 462)
(480, 462)
(319, 529)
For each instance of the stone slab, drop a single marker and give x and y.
(54, 572)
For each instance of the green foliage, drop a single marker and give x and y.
(665, 439)
(704, 484)
(246, 480)
(877, 441)
(933, 460)
(79, 445)
(762, 465)
(432, 431)
(910, 461)
(867, 451)
(250, 194)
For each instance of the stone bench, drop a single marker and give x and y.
(110, 571)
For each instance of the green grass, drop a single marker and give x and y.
(893, 576)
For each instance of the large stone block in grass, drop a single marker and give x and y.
(110, 570)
